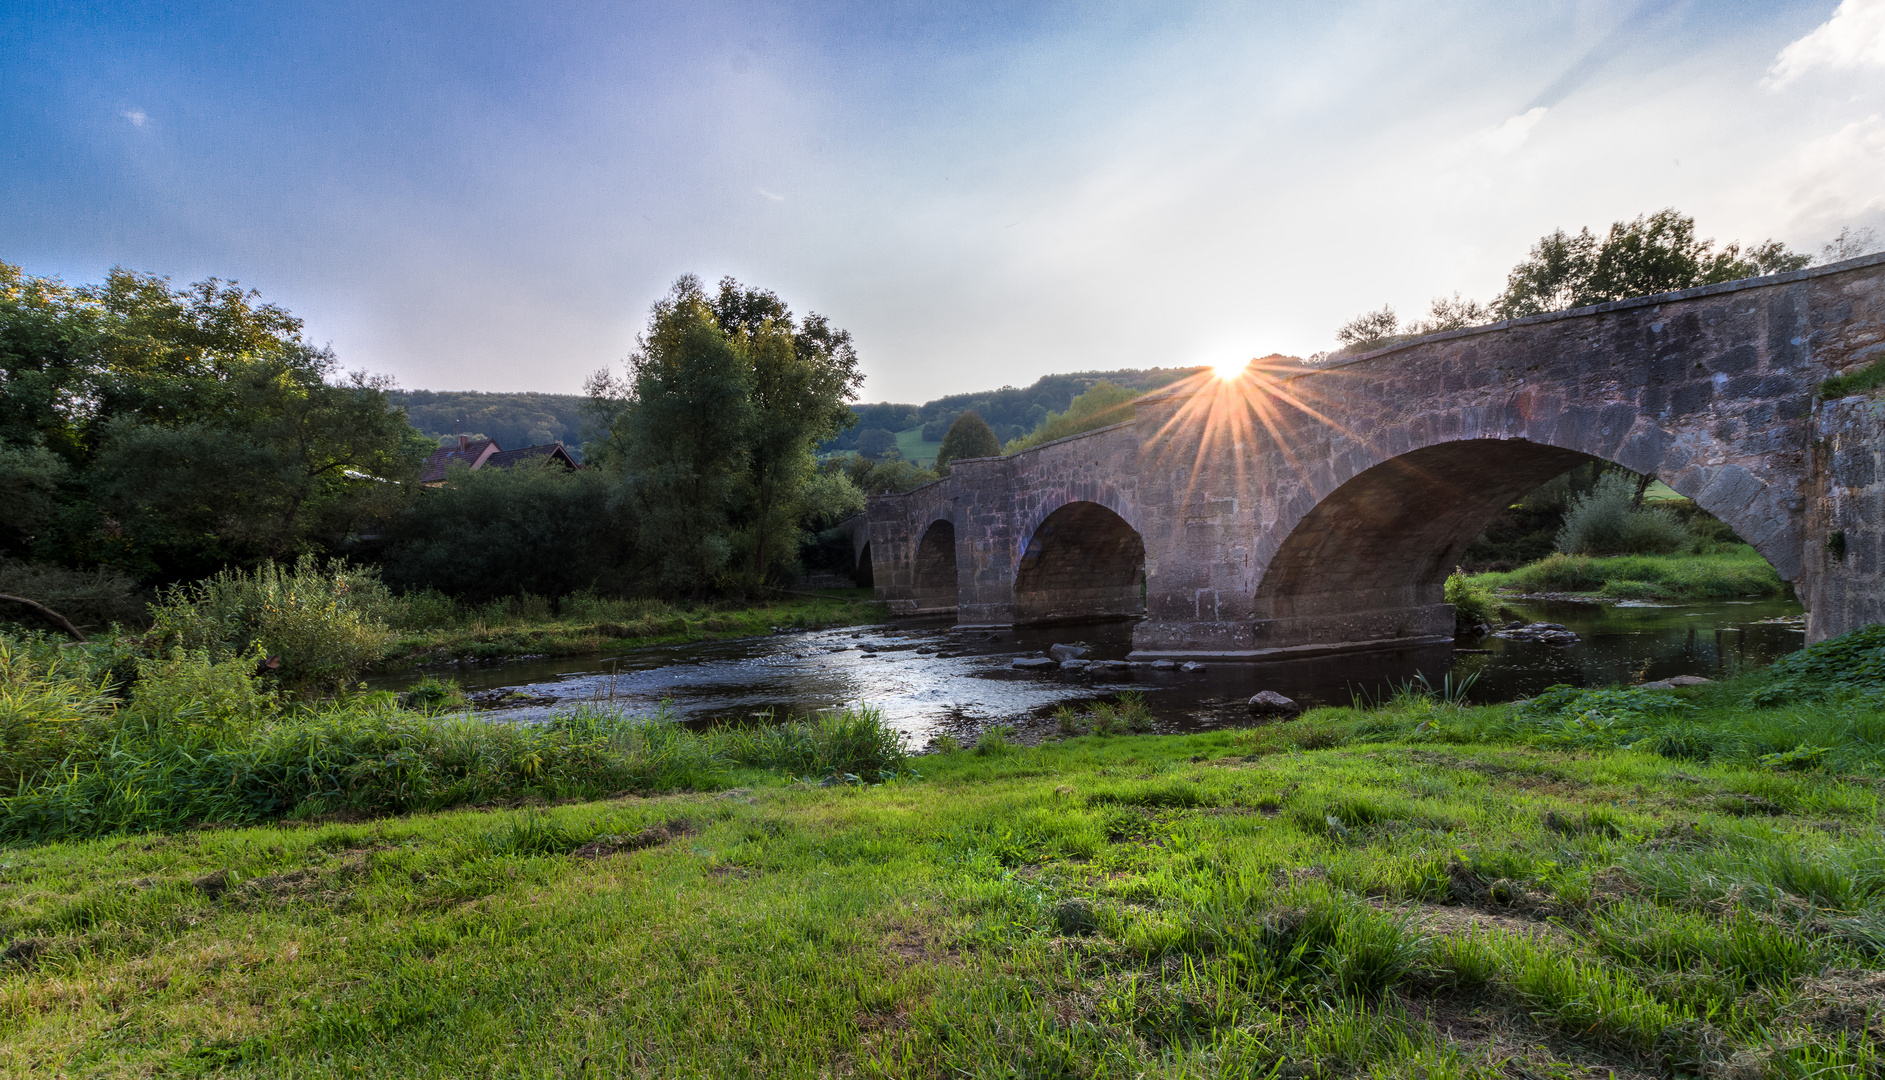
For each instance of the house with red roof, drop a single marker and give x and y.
(486, 453)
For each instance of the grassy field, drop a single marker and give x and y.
(1597, 883)
(1738, 570)
(911, 445)
(443, 630)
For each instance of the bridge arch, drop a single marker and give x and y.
(1082, 561)
(1386, 537)
(934, 588)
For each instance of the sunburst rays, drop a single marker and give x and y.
(1239, 412)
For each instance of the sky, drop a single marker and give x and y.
(471, 196)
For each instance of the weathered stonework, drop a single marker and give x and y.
(1325, 509)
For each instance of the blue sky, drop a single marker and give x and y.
(472, 196)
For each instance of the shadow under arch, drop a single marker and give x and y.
(1082, 562)
(934, 588)
(1369, 561)
(864, 573)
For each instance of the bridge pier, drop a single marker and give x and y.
(1294, 511)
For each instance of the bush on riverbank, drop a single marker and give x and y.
(323, 624)
(202, 742)
(1607, 521)
(1737, 570)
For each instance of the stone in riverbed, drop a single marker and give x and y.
(1192, 666)
(1031, 663)
(1064, 653)
(1271, 703)
(1676, 682)
(1164, 665)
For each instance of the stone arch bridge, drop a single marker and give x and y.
(1287, 513)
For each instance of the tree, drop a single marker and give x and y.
(804, 375)
(1369, 329)
(969, 437)
(714, 428)
(1652, 254)
(875, 442)
(192, 426)
(686, 447)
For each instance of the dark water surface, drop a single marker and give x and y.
(926, 678)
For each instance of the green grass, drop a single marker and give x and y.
(912, 446)
(435, 629)
(1738, 570)
(1869, 377)
(1425, 889)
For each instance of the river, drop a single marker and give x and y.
(927, 678)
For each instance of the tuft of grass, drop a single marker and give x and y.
(1738, 570)
(1867, 378)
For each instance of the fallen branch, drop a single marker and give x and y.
(49, 615)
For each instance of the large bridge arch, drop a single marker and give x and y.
(1082, 561)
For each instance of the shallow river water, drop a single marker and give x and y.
(927, 678)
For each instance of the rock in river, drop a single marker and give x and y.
(1064, 653)
(1033, 662)
(1548, 632)
(1271, 703)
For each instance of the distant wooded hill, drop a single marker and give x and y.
(1011, 411)
(514, 420)
(519, 420)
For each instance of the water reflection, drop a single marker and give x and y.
(926, 677)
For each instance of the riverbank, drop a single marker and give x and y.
(1640, 880)
(1735, 571)
(515, 629)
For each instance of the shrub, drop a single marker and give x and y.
(1852, 661)
(1472, 603)
(187, 692)
(93, 599)
(323, 622)
(1605, 522)
(49, 701)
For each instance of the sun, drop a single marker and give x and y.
(1230, 369)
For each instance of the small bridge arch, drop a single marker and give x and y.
(1082, 561)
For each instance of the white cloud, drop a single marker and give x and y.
(770, 195)
(136, 116)
(1853, 38)
(1833, 181)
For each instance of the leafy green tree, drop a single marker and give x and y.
(969, 437)
(1655, 253)
(875, 442)
(889, 475)
(687, 439)
(714, 430)
(194, 426)
(804, 375)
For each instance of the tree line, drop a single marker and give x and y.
(152, 434)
